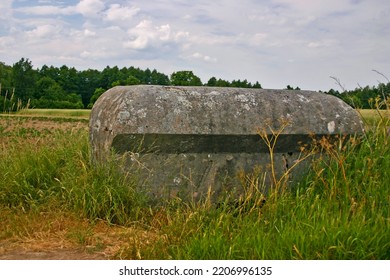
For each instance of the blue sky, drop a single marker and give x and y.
(276, 42)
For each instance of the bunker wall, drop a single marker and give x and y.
(185, 140)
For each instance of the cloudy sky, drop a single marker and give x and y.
(276, 42)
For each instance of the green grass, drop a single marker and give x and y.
(64, 113)
(59, 173)
(340, 210)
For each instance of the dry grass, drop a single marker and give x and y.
(33, 131)
(64, 236)
(374, 114)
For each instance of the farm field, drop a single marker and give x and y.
(54, 204)
(53, 113)
(372, 116)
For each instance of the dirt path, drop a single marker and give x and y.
(52, 254)
(74, 240)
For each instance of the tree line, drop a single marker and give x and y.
(375, 97)
(67, 88)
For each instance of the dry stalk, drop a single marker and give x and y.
(271, 139)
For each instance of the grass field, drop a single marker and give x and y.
(55, 113)
(55, 204)
(372, 116)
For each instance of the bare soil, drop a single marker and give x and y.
(103, 242)
(48, 254)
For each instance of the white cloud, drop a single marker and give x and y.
(258, 39)
(95, 54)
(315, 8)
(6, 44)
(202, 57)
(43, 31)
(268, 16)
(90, 8)
(314, 44)
(141, 35)
(87, 8)
(6, 6)
(181, 36)
(164, 32)
(45, 10)
(322, 44)
(116, 12)
(89, 33)
(146, 35)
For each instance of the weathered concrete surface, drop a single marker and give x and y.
(183, 140)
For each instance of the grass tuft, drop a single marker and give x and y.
(60, 173)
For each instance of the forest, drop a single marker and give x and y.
(21, 85)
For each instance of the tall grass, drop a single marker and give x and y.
(340, 210)
(10, 103)
(58, 174)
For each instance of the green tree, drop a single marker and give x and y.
(95, 96)
(117, 83)
(212, 82)
(47, 88)
(47, 93)
(291, 88)
(74, 98)
(135, 72)
(89, 81)
(235, 83)
(157, 78)
(131, 80)
(241, 84)
(5, 78)
(185, 78)
(256, 85)
(23, 79)
(5, 87)
(49, 71)
(147, 77)
(68, 79)
(108, 76)
(222, 83)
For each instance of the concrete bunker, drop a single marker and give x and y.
(183, 141)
